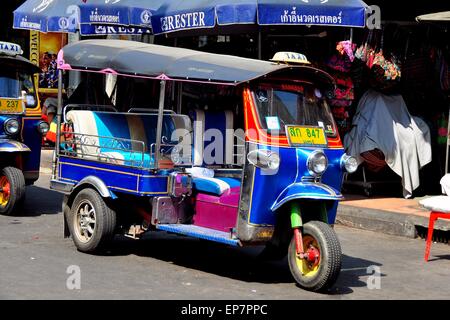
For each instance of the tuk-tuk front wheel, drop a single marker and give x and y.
(320, 266)
(12, 190)
(91, 221)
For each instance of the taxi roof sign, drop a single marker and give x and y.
(290, 57)
(10, 49)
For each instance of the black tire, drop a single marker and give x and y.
(16, 195)
(329, 265)
(95, 238)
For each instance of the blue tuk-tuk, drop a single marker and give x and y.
(221, 148)
(21, 127)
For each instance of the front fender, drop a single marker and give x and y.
(306, 190)
(13, 146)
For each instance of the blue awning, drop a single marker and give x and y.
(164, 16)
(47, 15)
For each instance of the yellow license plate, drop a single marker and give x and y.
(306, 136)
(11, 106)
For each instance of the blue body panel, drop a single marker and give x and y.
(286, 184)
(27, 143)
(33, 139)
(116, 177)
(269, 191)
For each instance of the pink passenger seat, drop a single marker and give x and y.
(217, 198)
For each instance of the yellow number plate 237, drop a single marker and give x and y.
(11, 106)
(306, 136)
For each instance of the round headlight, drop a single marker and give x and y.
(349, 163)
(11, 126)
(317, 163)
(43, 127)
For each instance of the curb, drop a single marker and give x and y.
(387, 222)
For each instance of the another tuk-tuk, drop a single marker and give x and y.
(21, 127)
(216, 147)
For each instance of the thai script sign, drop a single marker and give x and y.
(309, 15)
(25, 24)
(293, 17)
(104, 18)
(104, 14)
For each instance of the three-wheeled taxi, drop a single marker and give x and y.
(221, 148)
(21, 127)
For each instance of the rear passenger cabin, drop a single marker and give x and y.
(110, 127)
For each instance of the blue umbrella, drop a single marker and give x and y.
(113, 16)
(88, 16)
(48, 15)
(182, 15)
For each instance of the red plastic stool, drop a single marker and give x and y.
(440, 208)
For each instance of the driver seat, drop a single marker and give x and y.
(213, 146)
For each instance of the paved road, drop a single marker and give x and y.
(34, 259)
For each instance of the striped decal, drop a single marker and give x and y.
(84, 123)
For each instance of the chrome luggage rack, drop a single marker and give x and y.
(92, 147)
(127, 152)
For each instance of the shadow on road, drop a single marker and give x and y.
(439, 257)
(353, 269)
(49, 202)
(236, 263)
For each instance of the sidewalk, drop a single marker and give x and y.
(395, 216)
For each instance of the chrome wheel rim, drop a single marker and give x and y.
(85, 221)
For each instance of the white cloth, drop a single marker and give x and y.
(383, 122)
(437, 204)
(445, 184)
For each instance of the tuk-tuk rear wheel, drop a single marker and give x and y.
(321, 266)
(91, 221)
(12, 190)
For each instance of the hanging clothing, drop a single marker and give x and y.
(383, 122)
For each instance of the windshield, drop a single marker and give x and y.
(15, 84)
(292, 104)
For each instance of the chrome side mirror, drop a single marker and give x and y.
(264, 159)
